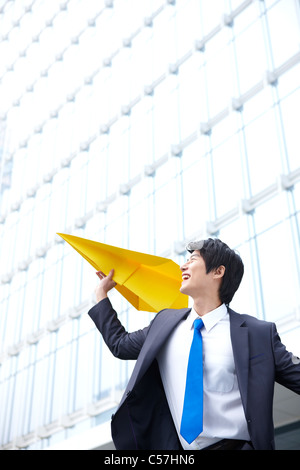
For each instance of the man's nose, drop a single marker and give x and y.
(184, 266)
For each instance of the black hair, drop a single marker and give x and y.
(216, 253)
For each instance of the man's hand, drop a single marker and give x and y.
(106, 284)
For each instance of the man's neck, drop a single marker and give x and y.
(203, 306)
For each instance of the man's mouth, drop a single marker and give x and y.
(185, 277)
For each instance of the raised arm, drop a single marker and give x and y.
(122, 344)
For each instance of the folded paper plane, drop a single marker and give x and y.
(150, 283)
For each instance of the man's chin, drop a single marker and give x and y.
(183, 290)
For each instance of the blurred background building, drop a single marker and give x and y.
(142, 124)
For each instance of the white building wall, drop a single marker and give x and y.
(143, 125)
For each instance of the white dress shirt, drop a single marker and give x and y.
(223, 414)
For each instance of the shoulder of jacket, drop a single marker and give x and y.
(173, 311)
(251, 320)
(168, 314)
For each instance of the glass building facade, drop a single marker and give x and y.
(142, 124)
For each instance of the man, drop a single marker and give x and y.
(242, 358)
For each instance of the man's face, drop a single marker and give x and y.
(195, 281)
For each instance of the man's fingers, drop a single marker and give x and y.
(101, 275)
(111, 273)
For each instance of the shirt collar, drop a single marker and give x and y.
(210, 319)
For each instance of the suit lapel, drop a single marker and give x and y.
(161, 328)
(240, 347)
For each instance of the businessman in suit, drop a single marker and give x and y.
(242, 359)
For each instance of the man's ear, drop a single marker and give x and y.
(219, 272)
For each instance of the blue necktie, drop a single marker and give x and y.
(192, 415)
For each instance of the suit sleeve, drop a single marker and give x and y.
(287, 365)
(122, 344)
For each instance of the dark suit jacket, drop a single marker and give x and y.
(143, 419)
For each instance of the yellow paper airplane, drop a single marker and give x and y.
(148, 282)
